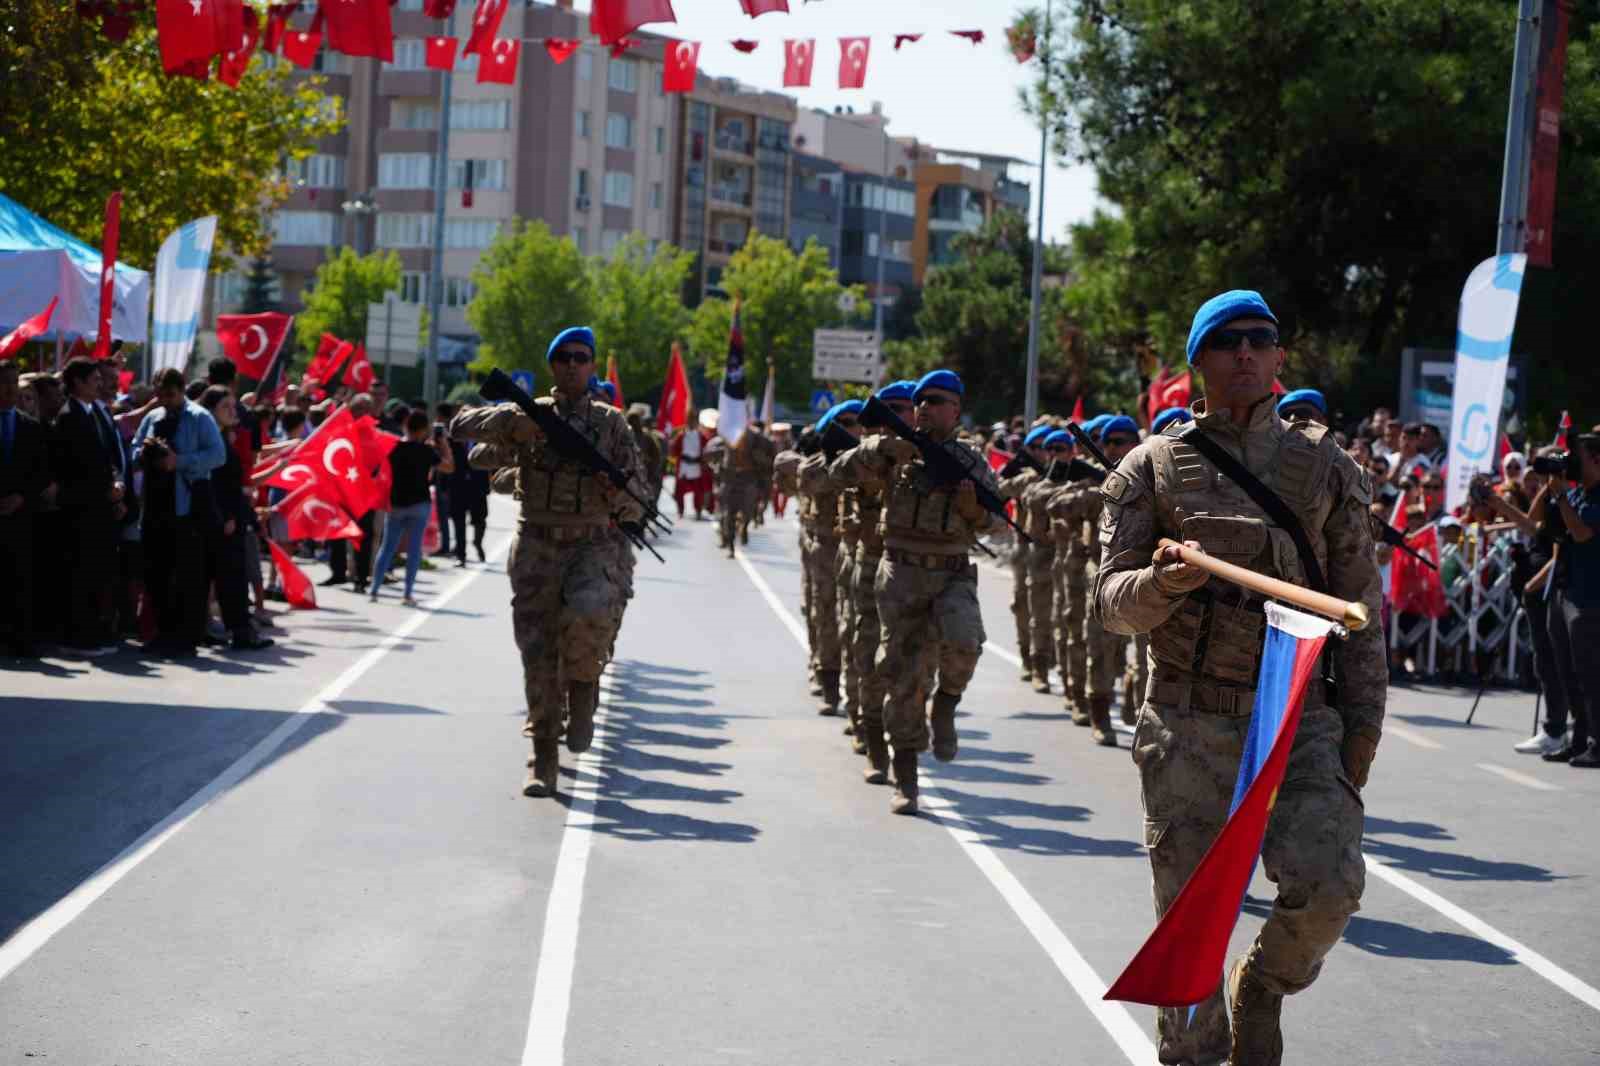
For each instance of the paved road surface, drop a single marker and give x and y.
(319, 855)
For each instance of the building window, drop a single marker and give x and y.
(618, 191)
(772, 177)
(303, 227)
(399, 229)
(318, 171)
(405, 170)
(409, 54)
(656, 195)
(480, 115)
(413, 286)
(623, 75)
(458, 292)
(585, 65)
(619, 131)
(583, 183)
(581, 239)
(661, 140)
(583, 123)
(609, 239)
(469, 232)
(416, 116)
(486, 173)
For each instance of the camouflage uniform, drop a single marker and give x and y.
(1067, 522)
(1011, 488)
(1191, 729)
(786, 472)
(1107, 651)
(819, 515)
(652, 448)
(566, 565)
(1041, 555)
(736, 489)
(864, 506)
(762, 454)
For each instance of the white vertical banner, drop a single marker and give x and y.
(769, 398)
(1483, 349)
(180, 291)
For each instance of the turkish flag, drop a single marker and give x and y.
(188, 33)
(27, 330)
(331, 354)
(763, 7)
(108, 273)
(499, 63)
(560, 48)
(438, 9)
(297, 588)
(611, 20)
(621, 46)
(251, 342)
(905, 38)
(853, 61)
(674, 395)
(616, 382)
(745, 46)
(311, 512)
(360, 28)
(485, 25)
(1077, 410)
(237, 60)
(797, 57)
(359, 374)
(975, 36)
(277, 25)
(441, 52)
(229, 15)
(300, 46)
(1413, 587)
(332, 456)
(679, 67)
(375, 448)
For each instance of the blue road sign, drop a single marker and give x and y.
(524, 380)
(821, 400)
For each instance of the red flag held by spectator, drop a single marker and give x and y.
(236, 59)
(678, 71)
(499, 63)
(359, 375)
(485, 25)
(441, 52)
(188, 33)
(27, 330)
(331, 354)
(297, 588)
(674, 395)
(763, 7)
(560, 49)
(360, 28)
(905, 38)
(797, 57)
(612, 20)
(108, 273)
(853, 53)
(375, 448)
(1414, 588)
(312, 513)
(252, 341)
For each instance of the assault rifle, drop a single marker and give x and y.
(1090, 446)
(570, 444)
(1396, 539)
(836, 440)
(1020, 462)
(1075, 470)
(944, 466)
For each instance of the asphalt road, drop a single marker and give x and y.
(320, 854)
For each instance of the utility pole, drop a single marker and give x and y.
(1030, 404)
(1512, 233)
(883, 215)
(441, 184)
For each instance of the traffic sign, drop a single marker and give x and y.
(524, 380)
(394, 331)
(846, 355)
(821, 400)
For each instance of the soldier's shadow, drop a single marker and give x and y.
(991, 817)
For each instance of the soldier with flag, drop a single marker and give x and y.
(1282, 499)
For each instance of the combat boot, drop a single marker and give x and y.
(544, 768)
(1100, 716)
(580, 711)
(1041, 679)
(1027, 667)
(943, 717)
(1078, 707)
(905, 782)
(1257, 1038)
(877, 771)
(830, 692)
(816, 683)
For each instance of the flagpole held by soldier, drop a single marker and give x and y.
(1281, 499)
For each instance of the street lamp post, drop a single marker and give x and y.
(441, 184)
(358, 208)
(1031, 395)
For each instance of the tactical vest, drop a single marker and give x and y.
(919, 515)
(862, 511)
(555, 490)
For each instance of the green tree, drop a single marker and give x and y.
(531, 285)
(785, 297)
(339, 294)
(637, 309)
(82, 116)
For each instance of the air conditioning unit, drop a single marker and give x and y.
(583, 203)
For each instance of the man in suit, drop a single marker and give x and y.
(87, 462)
(24, 473)
(127, 565)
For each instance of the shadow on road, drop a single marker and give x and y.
(1391, 940)
(1443, 864)
(986, 816)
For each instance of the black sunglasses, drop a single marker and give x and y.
(847, 423)
(934, 400)
(1117, 442)
(579, 356)
(1260, 339)
(1061, 447)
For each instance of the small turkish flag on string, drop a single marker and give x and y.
(612, 20)
(975, 36)
(277, 25)
(618, 47)
(438, 9)
(300, 46)
(797, 57)
(441, 52)
(108, 273)
(251, 342)
(853, 61)
(360, 28)
(188, 33)
(745, 46)
(499, 63)
(485, 26)
(560, 49)
(27, 330)
(230, 22)
(905, 38)
(236, 61)
(297, 588)
(678, 71)
(762, 7)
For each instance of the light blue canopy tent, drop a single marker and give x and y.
(39, 261)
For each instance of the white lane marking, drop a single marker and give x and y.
(558, 947)
(1518, 777)
(33, 936)
(1127, 1033)
(1009, 656)
(1411, 736)
(1579, 990)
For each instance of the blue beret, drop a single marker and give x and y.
(1169, 416)
(1300, 396)
(898, 390)
(594, 385)
(610, 390)
(1092, 427)
(1117, 424)
(1037, 434)
(1222, 309)
(847, 407)
(1058, 436)
(581, 334)
(939, 379)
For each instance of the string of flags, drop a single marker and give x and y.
(199, 36)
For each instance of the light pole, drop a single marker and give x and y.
(1511, 234)
(358, 208)
(1030, 405)
(441, 182)
(883, 216)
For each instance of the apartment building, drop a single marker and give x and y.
(816, 204)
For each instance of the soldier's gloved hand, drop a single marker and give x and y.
(967, 505)
(1360, 749)
(1175, 577)
(525, 430)
(901, 451)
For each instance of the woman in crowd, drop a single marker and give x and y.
(411, 463)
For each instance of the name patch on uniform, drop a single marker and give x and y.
(1115, 487)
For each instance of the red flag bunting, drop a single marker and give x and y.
(560, 49)
(438, 9)
(441, 52)
(108, 273)
(297, 588)
(764, 7)
(853, 52)
(681, 63)
(797, 57)
(905, 38)
(277, 25)
(499, 63)
(612, 20)
(360, 28)
(300, 46)
(252, 342)
(236, 61)
(187, 32)
(674, 395)
(485, 25)
(745, 46)
(618, 47)
(27, 330)
(975, 36)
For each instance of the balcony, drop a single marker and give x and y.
(738, 145)
(732, 194)
(419, 84)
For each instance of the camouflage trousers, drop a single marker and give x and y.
(1041, 607)
(844, 569)
(805, 597)
(627, 561)
(1188, 760)
(1019, 601)
(1108, 657)
(822, 567)
(863, 647)
(1137, 679)
(1072, 619)
(919, 611)
(563, 608)
(738, 507)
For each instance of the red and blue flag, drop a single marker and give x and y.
(1181, 962)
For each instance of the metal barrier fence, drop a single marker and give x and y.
(1484, 614)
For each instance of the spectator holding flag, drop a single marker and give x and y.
(411, 463)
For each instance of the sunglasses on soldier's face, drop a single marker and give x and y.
(579, 356)
(1118, 442)
(847, 423)
(1061, 449)
(934, 400)
(1260, 339)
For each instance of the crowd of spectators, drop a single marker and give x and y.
(135, 513)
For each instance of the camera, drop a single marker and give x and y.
(1479, 490)
(1563, 465)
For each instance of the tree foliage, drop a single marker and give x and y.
(81, 116)
(638, 310)
(531, 285)
(339, 294)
